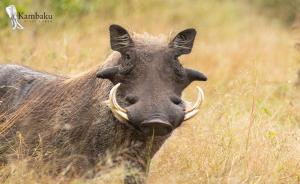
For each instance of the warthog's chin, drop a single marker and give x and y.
(165, 127)
(156, 127)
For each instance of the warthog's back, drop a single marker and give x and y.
(16, 82)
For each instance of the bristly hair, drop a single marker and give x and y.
(122, 41)
(181, 43)
(147, 39)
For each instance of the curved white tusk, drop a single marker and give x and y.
(199, 100)
(119, 112)
(189, 113)
(121, 116)
(113, 98)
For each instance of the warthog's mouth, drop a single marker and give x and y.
(121, 114)
(157, 127)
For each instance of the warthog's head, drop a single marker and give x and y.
(150, 79)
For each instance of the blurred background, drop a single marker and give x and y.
(248, 129)
(86, 23)
(284, 11)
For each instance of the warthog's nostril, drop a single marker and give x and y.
(131, 99)
(176, 100)
(156, 126)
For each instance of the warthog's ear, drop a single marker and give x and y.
(108, 73)
(194, 75)
(119, 38)
(183, 41)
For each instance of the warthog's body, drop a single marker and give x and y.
(68, 117)
(65, 121)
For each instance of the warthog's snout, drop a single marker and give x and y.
(156, 126)
(154, 116)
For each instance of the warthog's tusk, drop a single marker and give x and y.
(113, 98)
(189, 113)
(119, 112)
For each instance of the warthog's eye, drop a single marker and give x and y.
(175, 57)
(131, 99)
(176, 100)
(127, 56)
(127, 62)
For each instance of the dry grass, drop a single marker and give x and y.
(248, 130)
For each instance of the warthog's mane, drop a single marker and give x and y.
(145, 39)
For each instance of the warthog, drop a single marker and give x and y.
(127, 107)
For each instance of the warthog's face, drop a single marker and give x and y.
(150, 78)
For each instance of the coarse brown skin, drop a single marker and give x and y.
(68, 115)
(66, 121)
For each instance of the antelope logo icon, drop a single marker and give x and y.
(12, 13)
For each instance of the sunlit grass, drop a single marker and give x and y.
(248, 130)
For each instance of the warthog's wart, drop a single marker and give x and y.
(131, 102)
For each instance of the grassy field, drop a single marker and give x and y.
(248, 130)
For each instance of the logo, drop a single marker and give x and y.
(12, 13)
(26, 17)
(43, 17)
